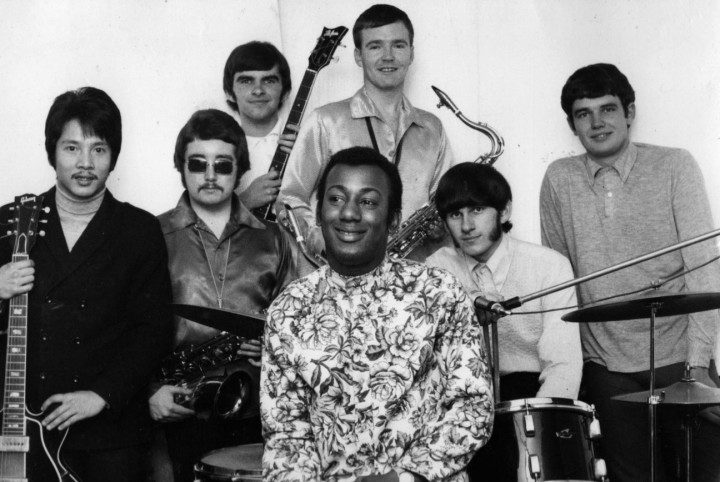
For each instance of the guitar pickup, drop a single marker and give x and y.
(14, 444)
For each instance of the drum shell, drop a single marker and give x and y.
(242, 463)
(561, 442)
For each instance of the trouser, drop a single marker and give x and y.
(625, 444)
(126, 464)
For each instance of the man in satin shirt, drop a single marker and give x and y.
(378, 115)
(221, 257)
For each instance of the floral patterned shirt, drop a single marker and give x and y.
(363, 375)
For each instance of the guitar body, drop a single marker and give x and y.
(28, 452)
(43, 462)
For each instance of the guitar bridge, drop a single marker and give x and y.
(14, 444)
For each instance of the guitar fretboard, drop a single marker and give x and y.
(15, 364)
(279, 160)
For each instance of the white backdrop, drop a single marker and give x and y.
(502, 62)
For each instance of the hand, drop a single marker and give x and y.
(253, 350)
(72, 408)
(487, 317)
(163, 407)
(262, 191)
(702, 375)
(16, 278)
(287, 141)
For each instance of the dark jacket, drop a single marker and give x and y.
(99, 318)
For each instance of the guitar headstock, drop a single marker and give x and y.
(325, 47)
(26, 213)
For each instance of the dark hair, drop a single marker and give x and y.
(364, 156)
(469, 184)
(255, 55)
(594, 81)
(211, 124)
(378, 16)
(94, 110)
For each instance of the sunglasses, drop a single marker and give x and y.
(220, 167)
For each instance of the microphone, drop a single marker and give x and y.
(489, 305)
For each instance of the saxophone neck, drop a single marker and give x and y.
(496, 140)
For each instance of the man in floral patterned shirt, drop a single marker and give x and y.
(373, 368)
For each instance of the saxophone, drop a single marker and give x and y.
(416, 229)
(199, 369)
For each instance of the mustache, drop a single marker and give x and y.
(210, 185)
(84, 174)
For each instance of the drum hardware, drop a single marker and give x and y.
(690, 397)
(658, 303)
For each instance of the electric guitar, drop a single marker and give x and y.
(27, 451)
(319, 58)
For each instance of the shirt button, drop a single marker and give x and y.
(609, 194)
(76, 379)
(48, 299)
(221, 276)
(43, 375)
(83, 303)
(77, 340)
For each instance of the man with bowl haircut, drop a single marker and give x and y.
(98, 299)
(373, 367)
(540, 355)
(221, 257)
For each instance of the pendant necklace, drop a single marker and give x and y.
(219, 294)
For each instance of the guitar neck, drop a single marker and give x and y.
(13, 423)
(280, 158)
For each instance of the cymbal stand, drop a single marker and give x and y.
(653, 400)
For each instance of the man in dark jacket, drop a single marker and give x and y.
(98, 295)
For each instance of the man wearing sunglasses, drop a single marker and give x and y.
(220, 257)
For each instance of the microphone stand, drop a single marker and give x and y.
(653, 400)
(502, 306)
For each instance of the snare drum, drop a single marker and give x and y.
(242, 463)
(541, 439)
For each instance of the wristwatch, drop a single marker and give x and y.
(406, 476)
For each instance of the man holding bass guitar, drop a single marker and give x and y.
(257, 82)
(97, 315)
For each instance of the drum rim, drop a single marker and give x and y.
(205, 468)
(548, 403)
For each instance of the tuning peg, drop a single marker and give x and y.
(41, 233)
(46, 209)
(43, 221)
(342, 45)
(335, 59)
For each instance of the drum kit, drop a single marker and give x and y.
(241, 463)
(553, 439)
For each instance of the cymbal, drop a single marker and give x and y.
(683, 393)
(241, 324)
(638, 307)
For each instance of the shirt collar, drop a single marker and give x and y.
(351, 282)
(361, 105)
(498, 264)
(623, 165)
